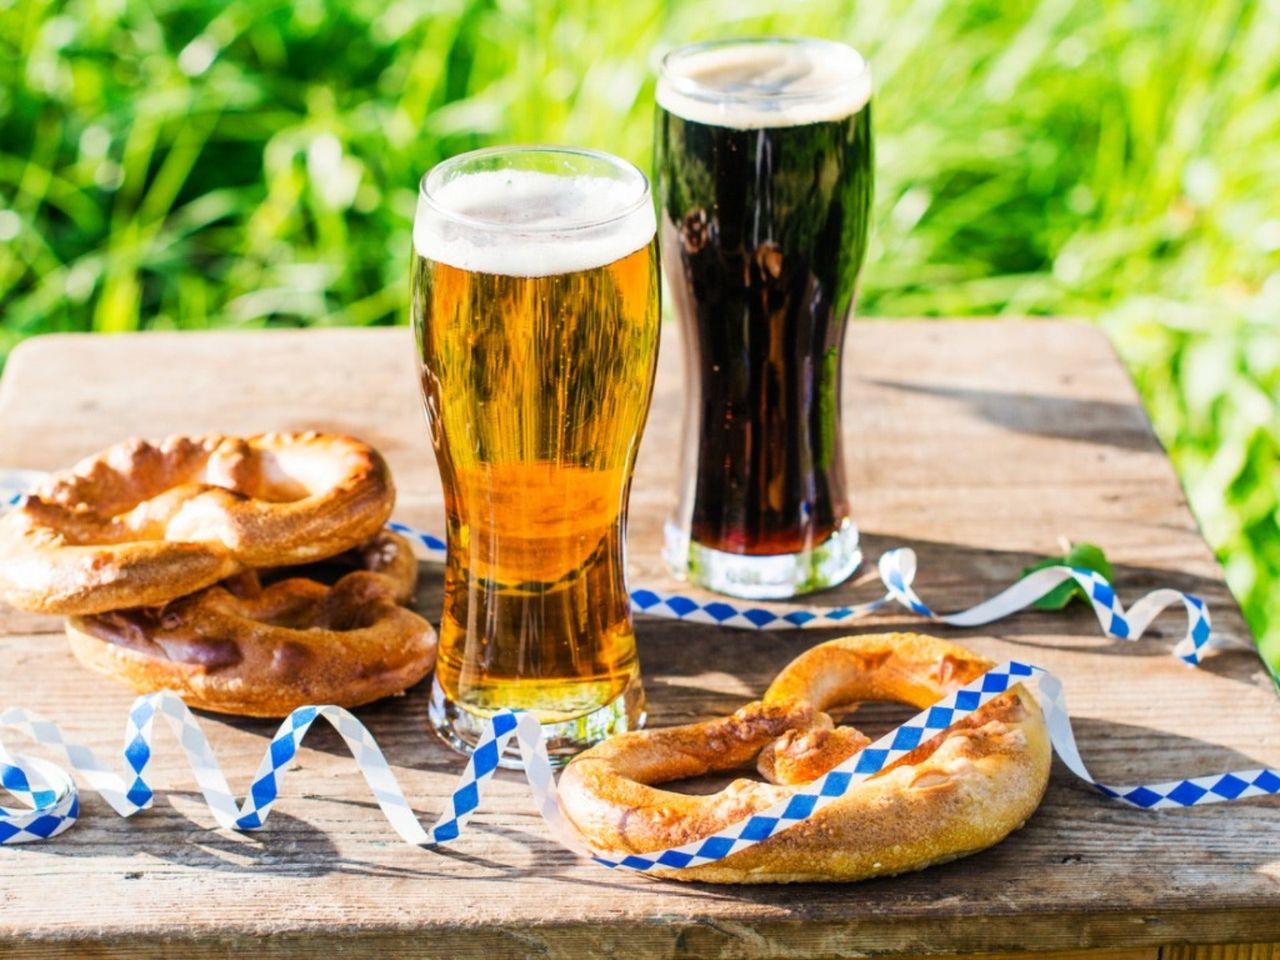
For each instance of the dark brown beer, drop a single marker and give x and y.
(763, 229)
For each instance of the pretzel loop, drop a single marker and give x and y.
(960, 791)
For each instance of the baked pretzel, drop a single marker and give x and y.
(244, 648)
(957, 793)
(141, 523)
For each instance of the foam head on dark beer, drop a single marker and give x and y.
(750, 84)
(530, 223)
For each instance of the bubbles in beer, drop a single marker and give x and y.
(527, 223)
(756, 84)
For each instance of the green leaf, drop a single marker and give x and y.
(1080, 555)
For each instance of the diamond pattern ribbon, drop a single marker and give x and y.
(52, 802)
(897, 569)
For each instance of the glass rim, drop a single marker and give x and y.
(688, 87)
(432, 176)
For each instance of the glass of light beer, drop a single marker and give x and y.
(763, 160)
(535, 311)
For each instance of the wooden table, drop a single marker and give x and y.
(979, 444)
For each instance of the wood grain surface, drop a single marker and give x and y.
(978, 443)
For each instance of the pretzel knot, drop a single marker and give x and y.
(245, 648)
(141, 523)
(957, 793)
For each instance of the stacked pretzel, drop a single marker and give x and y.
(250, 576)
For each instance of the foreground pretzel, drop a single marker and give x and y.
(958, 793)
(245, 649)
(142, 523)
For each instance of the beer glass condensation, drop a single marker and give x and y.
(535, 310)
(763, 162)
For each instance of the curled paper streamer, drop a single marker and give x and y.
(51, 799)
(897, 569)
(53, 803)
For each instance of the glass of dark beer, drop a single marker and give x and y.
(535, 310)
(764, 177)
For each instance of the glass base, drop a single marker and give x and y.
(461, 728)
(771, 577)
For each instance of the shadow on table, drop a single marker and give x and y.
(1122, 425)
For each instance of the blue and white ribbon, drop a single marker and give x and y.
(897, 569)
(51, 800)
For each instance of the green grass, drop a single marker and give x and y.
(195, 163)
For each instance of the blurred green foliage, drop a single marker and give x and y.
(195, 163)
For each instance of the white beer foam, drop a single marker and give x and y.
(752, 85)
(526, 223)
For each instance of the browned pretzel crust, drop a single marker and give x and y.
(141, 523)
(260, 651)
(959, 792)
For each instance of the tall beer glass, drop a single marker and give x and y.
(763, 163)
(535, 309)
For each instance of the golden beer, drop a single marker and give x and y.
(535, 310)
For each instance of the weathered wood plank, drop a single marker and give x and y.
(409, 946)
(980, 444)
